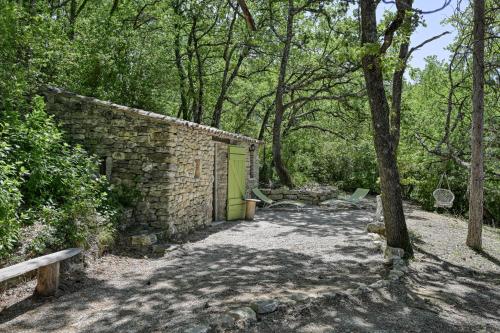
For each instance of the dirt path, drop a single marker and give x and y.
(281, 253)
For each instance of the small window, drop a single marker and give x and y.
(102, 167)
(197, 168)
(105, 167)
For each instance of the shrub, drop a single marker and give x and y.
(10, 200)
(49, 189)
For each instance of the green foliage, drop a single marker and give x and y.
(345, 163)
(49, 193)
(48, 186)
(426, 106)
(124, 196)
(10, 200)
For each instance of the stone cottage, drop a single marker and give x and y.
(186, 174)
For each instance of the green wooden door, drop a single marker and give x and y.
(236, 183)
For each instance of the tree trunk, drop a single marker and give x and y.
(397, 92)
(219, 104)
(247, 15)
(198, 115)
(476, 171)
(395, 225)
(190, 73)
(281, 170)
(183, 107)
(72, 19)
(74, 12)
(226, 85)
(263, 126)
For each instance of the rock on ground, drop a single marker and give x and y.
(264, 306)
(244, 314)
(376, 228)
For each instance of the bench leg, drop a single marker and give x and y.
(48, 280)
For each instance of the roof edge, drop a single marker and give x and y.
(152, 115)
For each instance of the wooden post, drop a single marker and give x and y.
(48, 280)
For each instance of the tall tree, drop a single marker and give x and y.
(385, 145)
(313, 71)
(183, 107)
(231, 70)
(281, 170)
(74, 12)
(477, 156)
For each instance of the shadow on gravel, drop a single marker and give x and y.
(489, 257)
(194, 284)
(442, 298)
(190, 287)
(460, 290)
(394, 310)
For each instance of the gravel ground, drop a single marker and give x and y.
(444, 238)
(449, 288)
(287, 255)
(283, 253)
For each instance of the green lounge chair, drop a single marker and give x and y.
(354, 198)
(268, 203)
(358, 195)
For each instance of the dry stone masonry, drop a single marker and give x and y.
(310, 196)
(178, 168)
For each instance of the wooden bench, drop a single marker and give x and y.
(48, 270)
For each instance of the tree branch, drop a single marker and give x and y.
(416, 10)
(247, 15)
(413, 49)
(395, 24)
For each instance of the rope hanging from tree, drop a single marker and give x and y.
(443, 197)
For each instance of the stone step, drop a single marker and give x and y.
(145, 239)
(149, 242)
(160, 249)
(142, 240)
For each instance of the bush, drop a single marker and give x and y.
(10, 200)
(49, 189)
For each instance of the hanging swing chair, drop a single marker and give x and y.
(443, 197)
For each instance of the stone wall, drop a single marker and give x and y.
(309, 196)
(135, 149)
(190, 191)
(170, 162)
